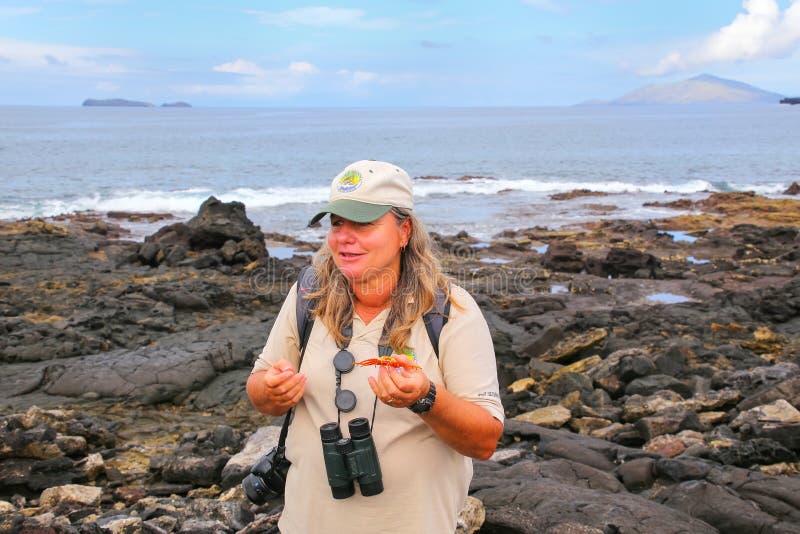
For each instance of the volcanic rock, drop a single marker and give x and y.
(793, 189)
(670, 420)
(720, 507)
(72, 493)
(550, 416)
(630, 263)
(638, 474)
(754, 451)
(571, 349)
(548, 496)
(564, 257)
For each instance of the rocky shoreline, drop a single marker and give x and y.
(650, 372)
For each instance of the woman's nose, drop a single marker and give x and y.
(345, 232)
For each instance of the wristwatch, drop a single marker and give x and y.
(424, 404)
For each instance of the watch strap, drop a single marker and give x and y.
(424, 404)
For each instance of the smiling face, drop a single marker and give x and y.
(367, 251)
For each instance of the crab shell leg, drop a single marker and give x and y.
(389, 361)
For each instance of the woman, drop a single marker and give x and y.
(377, 274)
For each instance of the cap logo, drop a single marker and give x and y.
(349, 182)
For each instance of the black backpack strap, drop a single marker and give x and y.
(306, 283)
(436, 318)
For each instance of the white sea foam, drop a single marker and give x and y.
(185, 201)
(761, 189)
(276, 196)
(179, 202)
(488, 186)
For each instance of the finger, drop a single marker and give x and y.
(283, 365)
(275, 377)
(384, 388)
(291, 397)
(289, 387)
(405, 383)
(397, 397)
(301, 389)
(385, 381)
(408, 373)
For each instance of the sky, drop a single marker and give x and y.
(386, 53)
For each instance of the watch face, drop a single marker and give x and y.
(425, 403)
(421, 406)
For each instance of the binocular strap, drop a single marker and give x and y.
(383, 350)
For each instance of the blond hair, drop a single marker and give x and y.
(420, 276)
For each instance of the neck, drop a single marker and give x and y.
(375, 292)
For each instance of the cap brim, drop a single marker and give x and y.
(352, 210)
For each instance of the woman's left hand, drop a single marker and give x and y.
(399, 387)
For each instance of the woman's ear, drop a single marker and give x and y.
(405, 228)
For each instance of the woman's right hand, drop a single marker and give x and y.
(276, 389)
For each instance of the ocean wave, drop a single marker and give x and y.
(187, 201)
(761, 189)
(490, 186)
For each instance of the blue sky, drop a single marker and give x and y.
(386, 53)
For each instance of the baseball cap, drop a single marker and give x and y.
(366, 190)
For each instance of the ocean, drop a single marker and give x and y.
(479, 170)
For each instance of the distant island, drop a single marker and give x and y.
(703, 89)
(123, 103)
(791, 101)
(116, 103)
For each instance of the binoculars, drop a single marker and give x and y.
(351, 459)
(267, 478)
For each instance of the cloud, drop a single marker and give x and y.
(551, 6)
(240, 66)
(358, 77)
(78, 59)
(297, 77)
(303, 67)
(258, 81)
(322, 17)
(243, 67)
(762, 31)
(18, 11)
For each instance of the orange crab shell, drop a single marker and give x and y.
(389, 361)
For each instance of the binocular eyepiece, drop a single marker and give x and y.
(351, 459)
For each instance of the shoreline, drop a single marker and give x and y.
(568, 209)
(637, 354)
(575, 209)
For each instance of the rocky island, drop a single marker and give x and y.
(116, 103)
(702, 89)
(650, 371)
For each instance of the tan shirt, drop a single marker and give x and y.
(425, 481)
